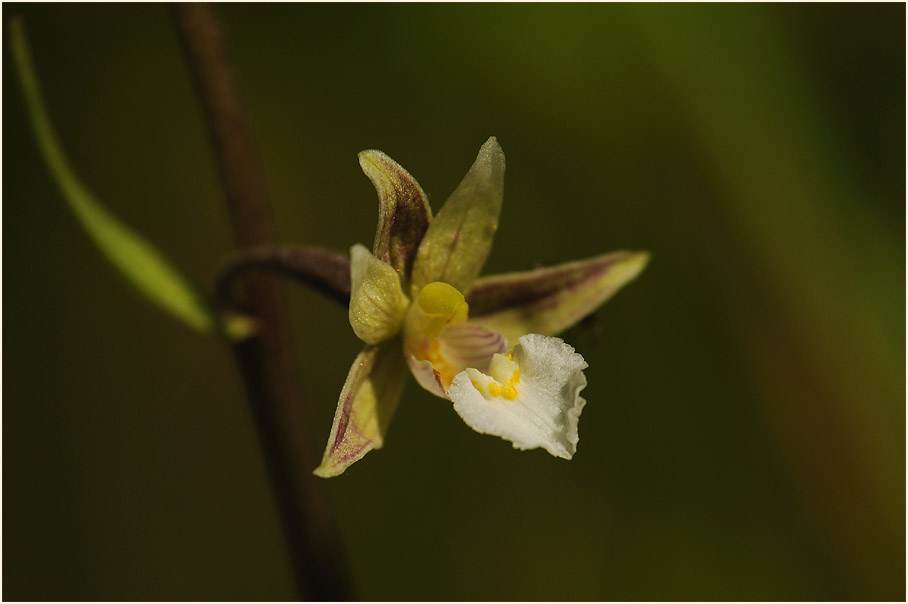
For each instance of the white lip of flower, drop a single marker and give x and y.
(409, 304)
(530, 397)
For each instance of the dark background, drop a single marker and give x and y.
(744, 436)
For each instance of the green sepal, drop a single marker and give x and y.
(459, 238)
(549, 300)
(403, 211)
(377, 303)
(364, 409)
(134, 257)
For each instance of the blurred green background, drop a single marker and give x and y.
(744, 436)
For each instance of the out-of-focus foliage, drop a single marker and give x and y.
(136, 259)
(744, 436)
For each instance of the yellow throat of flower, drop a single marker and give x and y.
(502, 380)
(437, 305)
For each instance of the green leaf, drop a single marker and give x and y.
(136, 259)
(459, 238)
(367, 401)
(403, 211)
(549, 300)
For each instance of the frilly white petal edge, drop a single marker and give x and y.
(547, 406)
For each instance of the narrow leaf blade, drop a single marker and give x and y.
(136, 259)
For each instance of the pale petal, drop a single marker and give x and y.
(549, 300)
(367, 401)
(546, 407)
(459, 238)
(377, 303)
(403, 211)
(426, 376)
(470, 345)
(435, 362)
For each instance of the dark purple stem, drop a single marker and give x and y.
(266, 362)
(324, 271)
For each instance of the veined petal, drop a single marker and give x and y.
(549, 300)
(403, 211)
(458, 240)
(367, 401)
(470, 345)
(434, 362)
(531, 398)
(377, 303)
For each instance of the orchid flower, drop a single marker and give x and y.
(485, 344)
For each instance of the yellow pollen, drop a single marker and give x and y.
(505, 375)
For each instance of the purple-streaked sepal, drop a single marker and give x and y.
(459, 239)
(549, 300)
(403, 211)
(367, 401)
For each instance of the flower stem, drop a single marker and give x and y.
(266, 361)
(325, 271)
